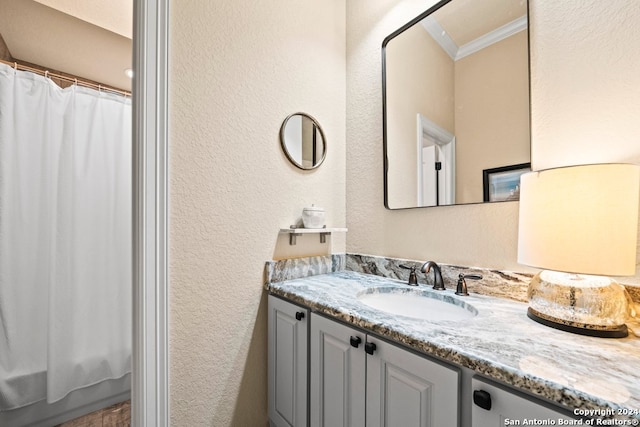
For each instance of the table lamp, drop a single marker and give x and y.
(580, 224)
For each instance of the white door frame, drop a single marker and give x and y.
(150, 376)
(444, 139)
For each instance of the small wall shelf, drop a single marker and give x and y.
(323, 232)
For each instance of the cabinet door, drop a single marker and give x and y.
(337, 361)
(506, 408)
(404, 389)
(288, 333)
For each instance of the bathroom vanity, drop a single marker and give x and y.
(336, 360)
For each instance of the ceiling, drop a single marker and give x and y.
(90, 39)
(471, 19)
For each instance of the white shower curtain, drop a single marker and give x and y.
(65, 238)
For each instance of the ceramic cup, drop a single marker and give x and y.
(313, 217)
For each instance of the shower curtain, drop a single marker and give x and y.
(65, 238)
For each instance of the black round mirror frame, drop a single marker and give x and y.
(323, 141)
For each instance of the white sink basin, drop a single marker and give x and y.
(417, 304)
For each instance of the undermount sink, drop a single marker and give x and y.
(417, 304)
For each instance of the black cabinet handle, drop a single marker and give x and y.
(369, 347)
(482, 399)
(299, 315)
(355, 341)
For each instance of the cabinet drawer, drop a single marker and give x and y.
(497, 406)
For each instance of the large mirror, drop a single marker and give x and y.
(456, 104)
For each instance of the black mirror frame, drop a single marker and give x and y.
(385, 42)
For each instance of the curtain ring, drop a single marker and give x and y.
(46, 74)
(15, 66)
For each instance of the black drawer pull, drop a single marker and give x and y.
(299, 315)
(369, 347)
(482, 399)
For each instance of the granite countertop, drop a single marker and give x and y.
(501, 342)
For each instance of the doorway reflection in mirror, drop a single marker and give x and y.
(462, 69)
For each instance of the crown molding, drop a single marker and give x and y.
(492, 37)
(438, 33)
(433, 27)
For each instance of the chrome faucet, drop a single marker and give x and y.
(438, 284)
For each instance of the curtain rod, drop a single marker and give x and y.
(74, 80)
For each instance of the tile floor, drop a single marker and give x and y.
(118, 415)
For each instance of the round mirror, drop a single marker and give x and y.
(303, 141)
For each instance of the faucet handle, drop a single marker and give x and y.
(461, 288)
(413, 278)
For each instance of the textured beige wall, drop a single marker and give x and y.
(586, 102)
(237, 69)
(585, 85)
(474, 235)
(492, 113)
(419, 79)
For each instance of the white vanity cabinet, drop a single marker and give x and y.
(288, 326)
(324, 373)
(495, 406)
(338, 374)
(359, 380)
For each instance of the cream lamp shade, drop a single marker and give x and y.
(580, 219)
(580, 223)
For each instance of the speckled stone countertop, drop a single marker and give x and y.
(575, 371)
